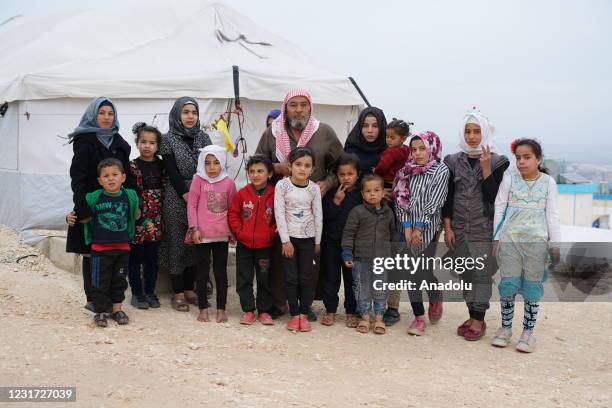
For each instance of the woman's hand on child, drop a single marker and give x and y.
(138, 214)
(196, 236)
(340, 194)
(288, 250)
(186, 197)
(150, 228)
(388, 194)
(317, 249)
(282, 168)
(71, 218)
(323, 187)
(449, 238)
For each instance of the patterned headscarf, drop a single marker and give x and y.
(88, 123)
(176, 126)
(401, 185)
(279, 127)
(486, 131)
(355, 137)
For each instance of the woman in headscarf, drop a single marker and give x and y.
(368, 139)
(96, 138)
(476, 173)
(180, 148)
(420, 190)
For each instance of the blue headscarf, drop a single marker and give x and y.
(274, 113)
(89, 124)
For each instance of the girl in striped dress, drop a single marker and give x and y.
(420, 189)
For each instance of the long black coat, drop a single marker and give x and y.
(88, 152)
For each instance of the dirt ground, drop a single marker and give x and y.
(164, 358)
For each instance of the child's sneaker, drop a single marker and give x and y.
(153, 301)
(266, 319)
(139, 302)
(417, 327)
(527, 342)
(304, 324)
(435, 311)
(248, 318)
(294, 323)
(502, 337)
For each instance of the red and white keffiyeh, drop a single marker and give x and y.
(279, 127)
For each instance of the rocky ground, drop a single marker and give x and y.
(164, 358)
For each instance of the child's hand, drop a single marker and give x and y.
(150, 228)
(495, 250)
(417, 237)
(449, 238)
(555, 254)
(138, 214)
(317, 249)
(85, 221)
(196, 236)
(408, 235)
(485, 161)
(340, 194)
(288, 250)
(348, 264)
(71, 218)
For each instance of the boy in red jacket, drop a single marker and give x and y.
(251, 218)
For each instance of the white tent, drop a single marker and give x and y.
(143, 56)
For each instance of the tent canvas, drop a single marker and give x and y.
(51, 67)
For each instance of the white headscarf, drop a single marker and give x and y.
(486, 131)
(220, 153)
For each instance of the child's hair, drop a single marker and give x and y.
(140, 127)
(301, 152)
(110, 162)
(260, 158)
(400, 127)
(372, 177)
(535, 147)
(345, 159)
(412, 139)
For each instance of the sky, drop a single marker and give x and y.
(538, 69)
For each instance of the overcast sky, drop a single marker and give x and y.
(537, 68)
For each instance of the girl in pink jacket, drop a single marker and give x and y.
(209, 199)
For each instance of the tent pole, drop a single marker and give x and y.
(359, 90)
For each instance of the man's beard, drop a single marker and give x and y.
(298, 124)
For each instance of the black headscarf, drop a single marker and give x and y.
(355, 137)
(176, 126)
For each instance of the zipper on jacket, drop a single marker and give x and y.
(256, 216)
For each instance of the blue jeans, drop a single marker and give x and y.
(365, 294)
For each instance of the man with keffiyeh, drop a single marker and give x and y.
(296, 126)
